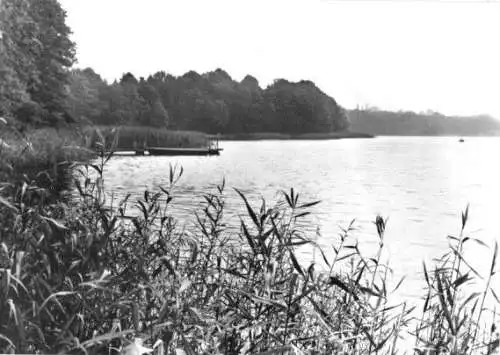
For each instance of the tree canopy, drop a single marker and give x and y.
(36, 54)
(211, 102)
(38, 87)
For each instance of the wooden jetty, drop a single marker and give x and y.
(211, 149)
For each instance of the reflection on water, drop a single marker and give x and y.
(420, 184)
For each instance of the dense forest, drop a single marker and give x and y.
(39, 87)
(379, 122)
(212, 102)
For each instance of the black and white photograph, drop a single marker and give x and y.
(250, 177)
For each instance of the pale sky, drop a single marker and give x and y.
(415, 55)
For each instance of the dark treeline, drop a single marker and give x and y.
(38, 87)
(212, 102)
(379, 122)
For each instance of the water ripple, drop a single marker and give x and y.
(422, 184)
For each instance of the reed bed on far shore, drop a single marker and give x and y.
(130, 137)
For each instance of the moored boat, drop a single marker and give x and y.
(183, 151)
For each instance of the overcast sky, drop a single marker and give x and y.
(416, 55)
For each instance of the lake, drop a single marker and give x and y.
(422, 184)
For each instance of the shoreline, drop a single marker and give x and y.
(160, 254)
(285, 136)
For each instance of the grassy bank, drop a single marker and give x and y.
(82, 277)
(128, 137)
(285, 136)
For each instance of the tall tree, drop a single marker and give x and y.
(53, 60)
(115, 106)
(155, 113)
(84, 96)
(35, 56)
(16, 54)
(134, 103)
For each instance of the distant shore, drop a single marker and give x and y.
(285, 136)
(492, 134)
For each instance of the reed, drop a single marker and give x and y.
(130, 137)
(42, 157)
(84, 276)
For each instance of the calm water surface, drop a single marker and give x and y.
(421, 184)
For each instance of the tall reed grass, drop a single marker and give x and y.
(85, 277)
(130, 137)
(42, 157)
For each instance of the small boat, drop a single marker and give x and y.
(461, 140)
(212, 148)
(184, 151)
